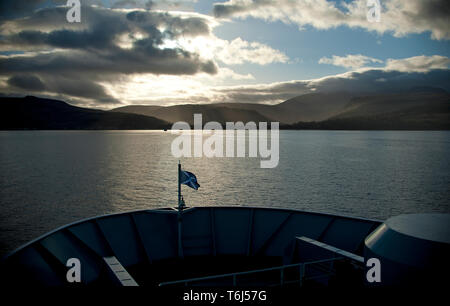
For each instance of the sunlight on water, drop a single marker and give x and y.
(50, 178)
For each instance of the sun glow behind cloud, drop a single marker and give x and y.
(168, 89)
(134, 55)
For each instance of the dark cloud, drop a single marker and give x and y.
(27, 82)
(264, 93)
(124, 3)
(99, 28)
(368, 81)
(175, 25)
(227, 9)
(144, 58)
(435, 15)
(432, 9)
(81, 88)
(17, 8)
(10, 9)
(63, 86)
(66, 39)
(379, 80)
(133, 4)
(92, 52)
(150, 4)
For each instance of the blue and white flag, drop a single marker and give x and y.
(188, 178)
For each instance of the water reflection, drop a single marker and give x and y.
(50, 178)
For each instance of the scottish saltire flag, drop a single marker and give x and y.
(188, 178)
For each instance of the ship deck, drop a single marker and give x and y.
(215, 241)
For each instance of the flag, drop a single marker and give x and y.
(188, 178)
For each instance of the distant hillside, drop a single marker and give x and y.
(36, 113)
(421, 108)
(185, 112)
(269, 111)
(315, 106)
(309, 107)
(391, 103)
(146, 110)
(406, 111)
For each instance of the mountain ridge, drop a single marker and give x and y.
(37, 113)
(422, 106)
(419, 108)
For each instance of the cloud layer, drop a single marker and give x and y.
(111, 45)
(92, 50)
(398, 75)
(146, 56)
(349, 61)
(400, 17)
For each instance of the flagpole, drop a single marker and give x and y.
(179, 186)
(180, 208)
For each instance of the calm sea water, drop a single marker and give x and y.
(50, 178)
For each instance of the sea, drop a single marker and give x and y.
(51, 178)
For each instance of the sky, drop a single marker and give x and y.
(193, 51)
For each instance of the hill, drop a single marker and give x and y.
(37, 113)
(425, 110)
(418, 108)
(309, 107)
(421, 108)
(185, 112)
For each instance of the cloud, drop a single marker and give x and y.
(400, 17)
(352, 61)
(177, 89)
(396, 76)
(239, 51)
(369, 81)
(128, 55)
(146, 4)
(76, 60)
(227, 73)
(100, 27)
(420, 63)
(81, 61)
(235, 52)
(73, 89)
(27, 82)
(16, 8)
(387, 79)
(11, 9)
(142, 59)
